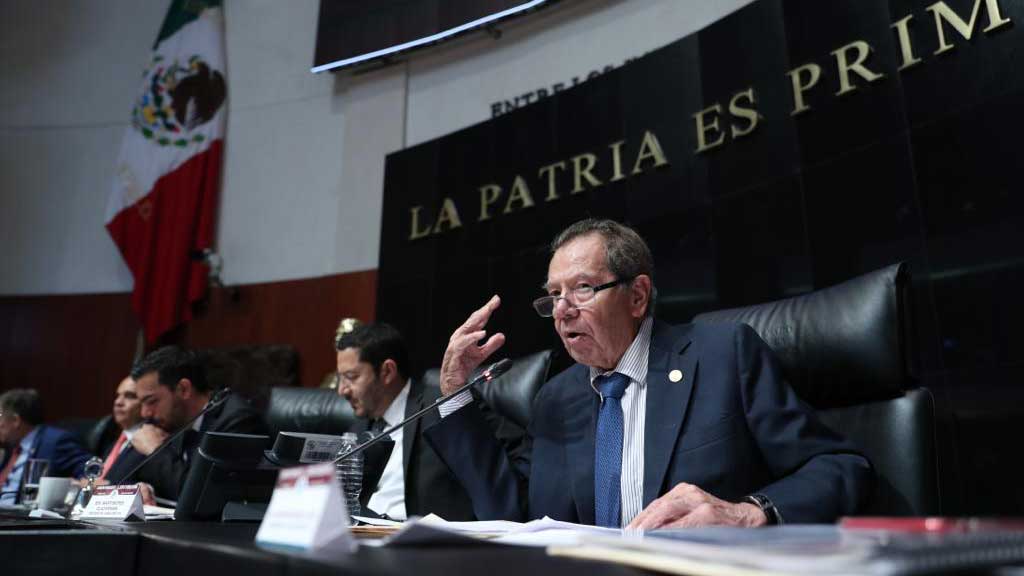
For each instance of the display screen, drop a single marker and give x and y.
(353, 32)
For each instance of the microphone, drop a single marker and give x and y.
(220, 397)
(492, 372)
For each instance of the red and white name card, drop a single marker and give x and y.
(114, 503)
(307, 511)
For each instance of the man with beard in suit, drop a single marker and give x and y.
(172, 389)
(373, 375)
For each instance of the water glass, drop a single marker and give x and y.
(35, 468)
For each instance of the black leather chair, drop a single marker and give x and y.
(322, 411)
(511, 394)
(311, 410)
(848, 351)
(96, 435)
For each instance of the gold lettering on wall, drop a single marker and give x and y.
(549, 172)
(449, 217)
(488, 195)
(650, 149)
(749, 114)
(906, 48)
(703, 127)
(581, 170)
(717, 123)
(943, 12)
(416, 232)
(616, 148)
(803, 79)
(845, 67)
(520, 193)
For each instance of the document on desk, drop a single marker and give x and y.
(807, 549)
(542, 533)
(158, 512)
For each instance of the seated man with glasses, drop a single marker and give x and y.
(24, 436)
(656, 425)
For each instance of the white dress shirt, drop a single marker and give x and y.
(129, 433)
(389, 498)
(634, 416)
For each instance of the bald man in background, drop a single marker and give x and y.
(127, 413)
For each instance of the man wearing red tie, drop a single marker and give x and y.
(24, 436)
(128, 416)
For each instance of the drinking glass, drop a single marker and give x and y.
(35, 468)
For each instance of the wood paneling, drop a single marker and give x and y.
(74, 349)
(300, 313)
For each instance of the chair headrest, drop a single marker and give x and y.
(841, 345)
(511, 394)
(313, 410)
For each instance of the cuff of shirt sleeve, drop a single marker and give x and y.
(465, 397)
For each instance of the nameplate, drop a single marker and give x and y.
(114, 503)
(320, 447)
(307, 511)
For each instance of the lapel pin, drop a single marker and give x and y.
(675, 375)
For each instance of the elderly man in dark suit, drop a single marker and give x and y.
(24, 436)
(373, 375)
(656, 425)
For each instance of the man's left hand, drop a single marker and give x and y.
(687, 506)
(148, 438)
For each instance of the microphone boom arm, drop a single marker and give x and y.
(492, 372)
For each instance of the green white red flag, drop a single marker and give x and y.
(161, 210)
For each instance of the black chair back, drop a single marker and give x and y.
(848, 351)
(511, 394)
(310, 410)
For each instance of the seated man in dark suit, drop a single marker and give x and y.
(172, 388)
(373, 375)
(24, 436)
(656, 425)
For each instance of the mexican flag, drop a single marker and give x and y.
(161, 209)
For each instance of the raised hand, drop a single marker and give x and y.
(463, 354)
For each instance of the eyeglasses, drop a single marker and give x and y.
(545, 305)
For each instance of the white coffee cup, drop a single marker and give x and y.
(52, 492)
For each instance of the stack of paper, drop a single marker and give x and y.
(543, 533)
(821, 549)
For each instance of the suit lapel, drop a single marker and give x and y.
(37, 441)
(581, 418)
(128, 460)
(412, 404)
(667, 403)
(211, 417)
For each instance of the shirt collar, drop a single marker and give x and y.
(131, 430)
(396, 411)
(634, 362)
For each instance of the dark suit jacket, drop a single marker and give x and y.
(67, 457)
(167, 471)
(731, 426)
(429, 486)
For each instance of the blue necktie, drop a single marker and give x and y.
(608, 451)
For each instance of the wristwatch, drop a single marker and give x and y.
(766, 506)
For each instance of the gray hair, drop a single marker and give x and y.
(626, 254)
(24, 402)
